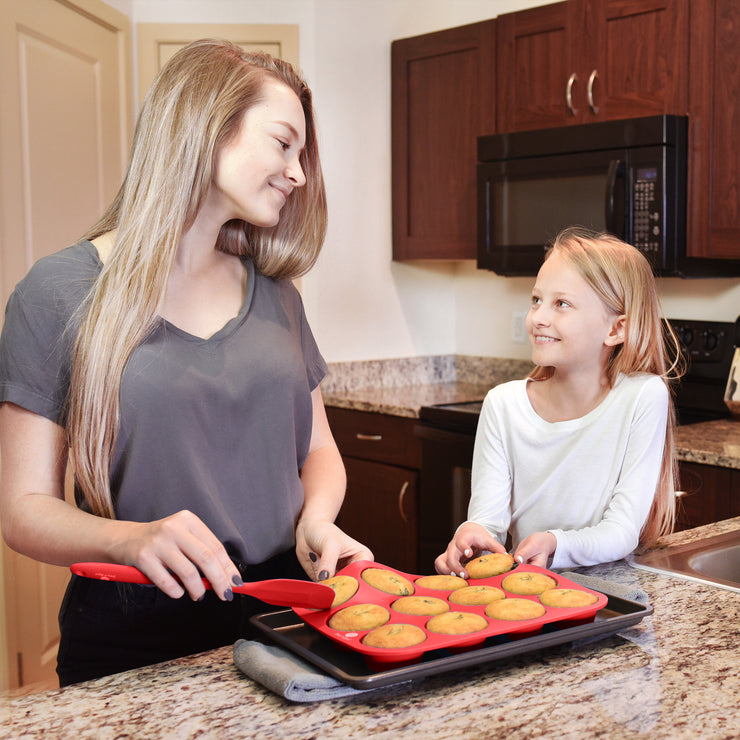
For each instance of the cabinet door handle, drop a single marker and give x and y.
(590, 92)
(569, 93)
(681, 494)
(369, 437)
(401, 496)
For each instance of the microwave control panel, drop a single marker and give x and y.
(647, 214)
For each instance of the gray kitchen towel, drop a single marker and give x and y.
(631, 593)
(287, 675)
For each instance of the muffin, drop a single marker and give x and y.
(394, 636)
(567, 597)
(515, 609)
(359, 617)
(492, 564)
(420, 605)
(388, 581)
(527, 583)
(441, 583)
(476, 595)
(345, 587)
(457, 623)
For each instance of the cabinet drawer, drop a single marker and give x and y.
(371, 436)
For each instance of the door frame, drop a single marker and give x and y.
(113, 21)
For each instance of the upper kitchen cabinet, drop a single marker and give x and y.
(591, 60)
(443, 98)
(714, 124)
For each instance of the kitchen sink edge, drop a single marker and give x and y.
(714, 561)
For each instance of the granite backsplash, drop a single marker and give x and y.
(415, 371)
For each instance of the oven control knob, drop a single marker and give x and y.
(711, 340)
(686, 335)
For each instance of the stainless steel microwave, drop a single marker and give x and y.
(625, 177)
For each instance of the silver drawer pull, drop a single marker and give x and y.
(369, 437)
(681, 494)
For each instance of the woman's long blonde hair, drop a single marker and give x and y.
(623, 279)
(195, 106)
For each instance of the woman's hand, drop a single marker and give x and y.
(322, 548)
(536, 549)
(470, 540)
(173, 552)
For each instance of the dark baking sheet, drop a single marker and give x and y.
(287, 629)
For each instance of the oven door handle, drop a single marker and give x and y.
(615, 172)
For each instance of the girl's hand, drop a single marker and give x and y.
(178, 548)
(536, 549)
(322, 548)
(470, 540)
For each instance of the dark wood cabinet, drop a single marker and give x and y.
(381, 456)
(555, 65)
(714, 124)
(707, 494)
(443, 97)
(591, 60)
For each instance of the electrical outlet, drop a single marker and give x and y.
(519, 327)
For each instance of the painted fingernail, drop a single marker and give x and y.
(237, 581)
(228, 595)
(323, 575)
(201, 597)
(468, 553)
(314, 557)
(520, 558)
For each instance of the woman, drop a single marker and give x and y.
(169, 353)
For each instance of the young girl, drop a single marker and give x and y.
(576, 461)
(169, 352)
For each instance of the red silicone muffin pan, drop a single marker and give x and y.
(381, 657)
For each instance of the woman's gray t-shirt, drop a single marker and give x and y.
(220, 426)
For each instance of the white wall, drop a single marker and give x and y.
(361, 304)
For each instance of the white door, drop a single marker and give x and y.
(65, 119)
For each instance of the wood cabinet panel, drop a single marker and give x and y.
(714, 121)
(533, 59)
(381, 456)
(381, 510)
(652, 78)
(708, 494)
(442, 99)
(566, 63)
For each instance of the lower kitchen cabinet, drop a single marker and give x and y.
(708, 493)
(381, 456)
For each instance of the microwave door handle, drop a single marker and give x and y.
(616, 168)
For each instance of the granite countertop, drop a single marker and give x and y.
(673, 675)
(710, 443)
(405, 400)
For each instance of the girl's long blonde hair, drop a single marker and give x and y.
(195, 106)
(623, 279)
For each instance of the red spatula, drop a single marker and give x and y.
(278, 591)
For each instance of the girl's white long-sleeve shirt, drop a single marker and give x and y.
(590, 481)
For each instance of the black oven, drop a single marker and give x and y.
(447, 432)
